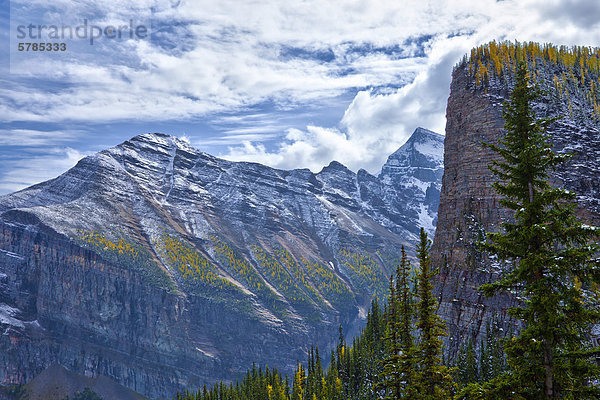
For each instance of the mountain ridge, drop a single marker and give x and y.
(238, 261)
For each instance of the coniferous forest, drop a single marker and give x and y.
(553, 268)
(398, 355)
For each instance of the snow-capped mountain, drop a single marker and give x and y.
(414, 172)
(181, 268)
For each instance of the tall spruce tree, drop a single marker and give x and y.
(491, 359)
(397, 374)
(299, 385)
(390, 376)
(333, 384)
(405, 326)
(433, 380)
(466, 363)
(553, 265)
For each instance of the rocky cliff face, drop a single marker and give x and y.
(468, 204)
(163, 267)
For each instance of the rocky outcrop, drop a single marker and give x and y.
(469, 206)
(163, 267)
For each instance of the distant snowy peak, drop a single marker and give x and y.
(420, 158)
(412, 177)
(335, 167)
(163, 178)
(161, 139)
(423, 149)
(158, 148)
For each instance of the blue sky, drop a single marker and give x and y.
(288, 84)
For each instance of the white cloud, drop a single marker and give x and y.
(374, 125)
(230, 55)
(36, 138)
(308, 149)
(378, 123)
(233, 58)
(19, 174)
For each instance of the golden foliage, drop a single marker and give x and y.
(184, 258)
(240, 268)
(366, 271)
(99, 240)
(578, 67)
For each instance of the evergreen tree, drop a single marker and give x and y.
(333, 384)
(299, 387)
(391, 377)
(319, 378)
(433, 380)
(277, 391)
(491, 360)
(372, 348)
(467, 370)
(552, 264)
(311, 375)
(396, 375)
(405, 325)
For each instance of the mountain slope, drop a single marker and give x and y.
(161, 266)
(57, 383)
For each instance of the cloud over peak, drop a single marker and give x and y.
(328, 80)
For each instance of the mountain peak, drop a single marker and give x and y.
(160, 139)
(152, 135)
(420, 134)
(158, 149)
(335, 166)
(417, 167)
(424, 148)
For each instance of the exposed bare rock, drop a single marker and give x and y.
(469, 205)
(163, 267)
